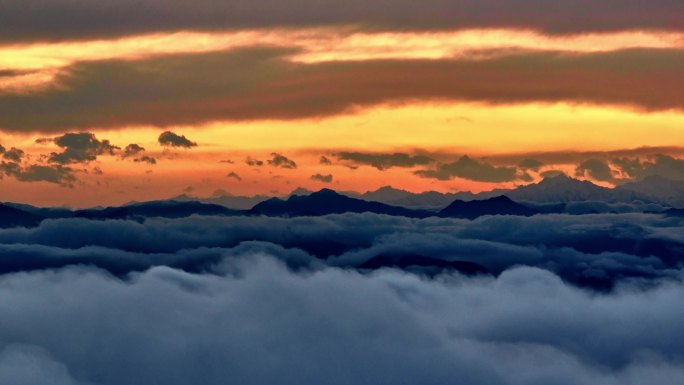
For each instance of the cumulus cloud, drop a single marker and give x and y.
(80, 147)
(325, 178)
(468, 168)
(279, 160)
(14, 154)
(136, 152)
(384, 161)
(171, 139)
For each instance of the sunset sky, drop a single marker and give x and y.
(105, 104)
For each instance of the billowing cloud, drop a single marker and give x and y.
(257, 322)
(14, 154)
(325, 178)
(658, 164)
(469, 168)
(596, 169)
(279, 160)
(81, 147)
(263, 84)
(171, 139)
(132, 149)
(384, 161)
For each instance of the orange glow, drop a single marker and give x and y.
(318, 45)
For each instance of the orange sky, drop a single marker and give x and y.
(315, 117)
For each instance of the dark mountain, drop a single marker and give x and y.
(14, 217)
(45, 212)
(226, 200)
(428, 200)
(501, 205)
(165, 209)
(326, 202)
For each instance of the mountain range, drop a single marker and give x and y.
(558, 194)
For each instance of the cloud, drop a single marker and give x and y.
(384, 161)
(279, 160)
(136, 152)
(658, 164)
(530, 164)
(254, 162)
(57, 174)
(256, 84)
(257, 322)
(328, 178)
(325, 160)
(596, 169)
(234, 175)
(81, 19)
(132, 150)
(81, 147)
(468, 168)
(14, 154)
(170, 139)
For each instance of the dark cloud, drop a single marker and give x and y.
(2, 149)
(531, 164)
(552, 173)
(325, 160)
(14, 154)
(234, 175)
(146, 159)
(170, 139)
(136, 152)
(279, 160)
(596, 169)
(468, 168)
(262, 84)
(57, 174)
(81, 147)
(327, 178)
(658, 164)
(254, 162)
(30, 20)
(132, 150)
(384, 161)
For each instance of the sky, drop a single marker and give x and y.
(130, 101)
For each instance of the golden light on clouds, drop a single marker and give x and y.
(467, 127)
(315, 45)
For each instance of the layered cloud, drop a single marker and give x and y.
(80, 19)
(261, 84)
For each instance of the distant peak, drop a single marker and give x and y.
(301, 191)
(326, 192)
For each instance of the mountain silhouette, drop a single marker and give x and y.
(165, 209)
(14, 217)
(501, 205)
(327, 201)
